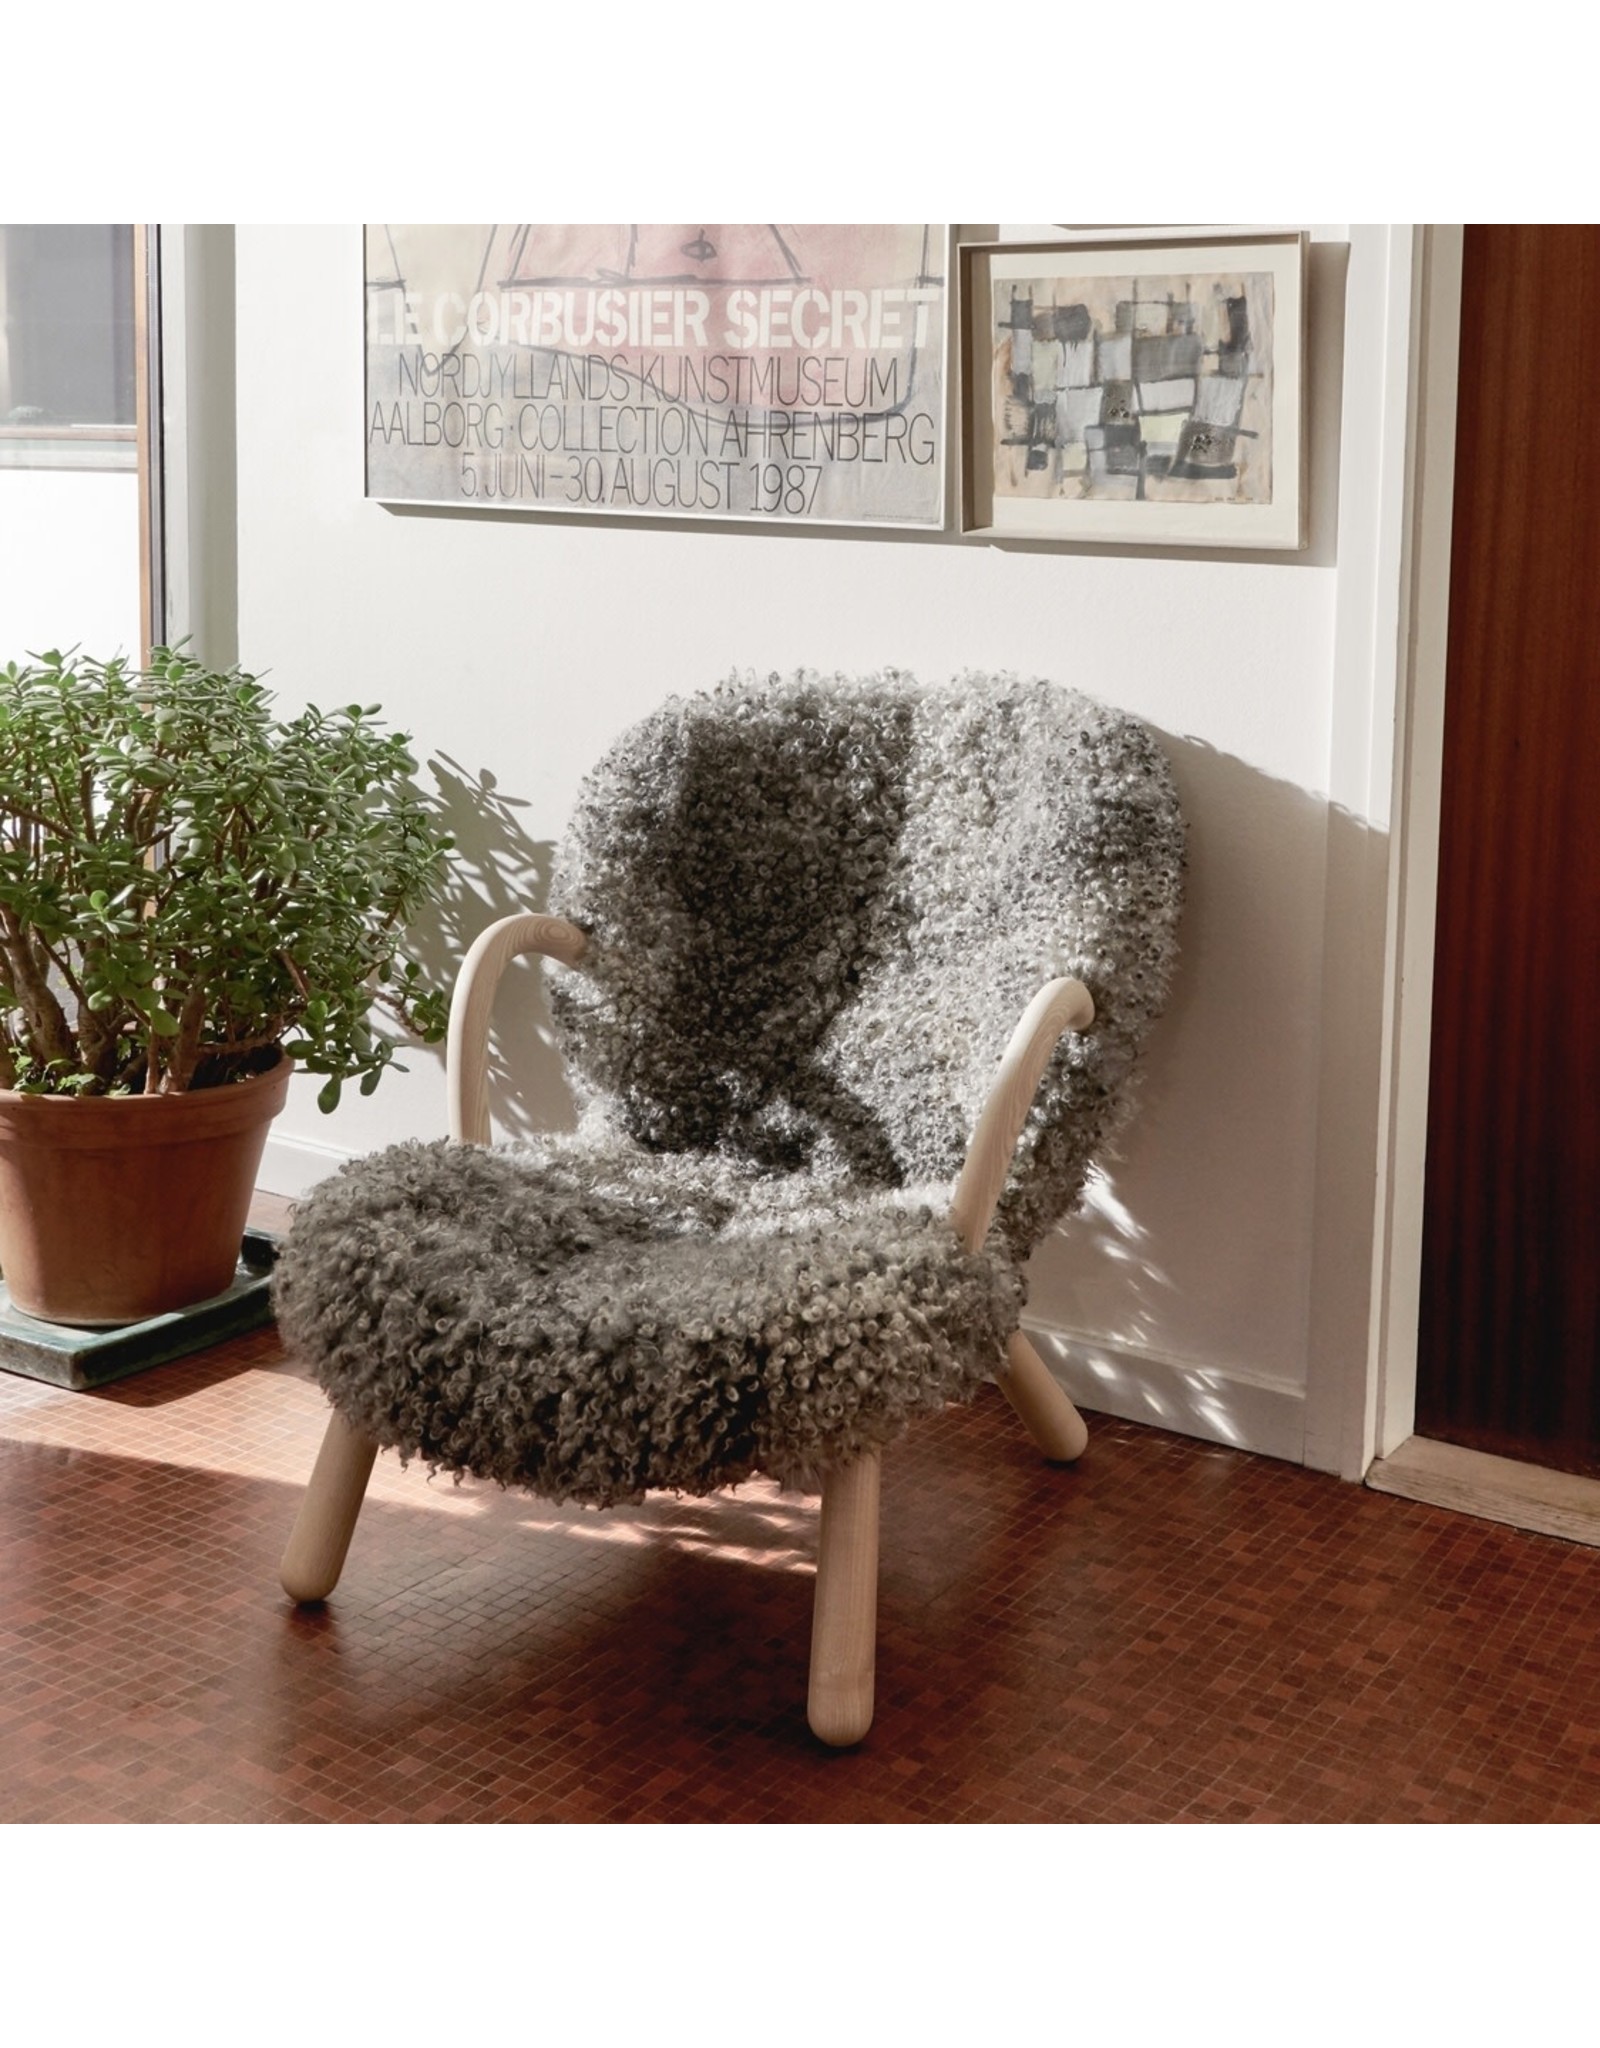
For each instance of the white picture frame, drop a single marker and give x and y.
(1135, 392)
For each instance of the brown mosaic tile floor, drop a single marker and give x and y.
(1169, 1632)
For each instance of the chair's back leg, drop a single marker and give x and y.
(1047, 1415)
(322, 1530)
(844, 1629)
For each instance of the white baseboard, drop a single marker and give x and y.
(1203, 1401)
(293, 1166)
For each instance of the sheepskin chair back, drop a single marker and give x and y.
(818, 905)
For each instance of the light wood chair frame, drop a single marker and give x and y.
(845, 1604)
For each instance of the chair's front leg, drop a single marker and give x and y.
(327, 1518)
(844, 1629)
(1039, 1399)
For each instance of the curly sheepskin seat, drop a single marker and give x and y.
(800, 919)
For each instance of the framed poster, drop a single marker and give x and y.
(786, 375)
(1146, 391)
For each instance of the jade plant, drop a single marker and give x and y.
(189, 882)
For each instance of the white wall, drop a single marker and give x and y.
(519, 646)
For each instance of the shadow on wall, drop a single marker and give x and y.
(1181, 1292)
(497, 869)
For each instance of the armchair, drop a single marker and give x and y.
(795, 923)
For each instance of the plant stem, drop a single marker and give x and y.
(43, 1015)
(185, 1054)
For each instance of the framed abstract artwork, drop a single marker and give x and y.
(786, 375)
(1145, 392)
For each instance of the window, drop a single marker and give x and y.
(68, 348)
(81, 520)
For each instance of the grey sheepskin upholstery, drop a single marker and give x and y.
(816, 908)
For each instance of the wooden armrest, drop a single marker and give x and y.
(467, 1046)
(1060, 1006)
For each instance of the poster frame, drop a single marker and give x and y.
(940, 495)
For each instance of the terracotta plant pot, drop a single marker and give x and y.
(115, 1209)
